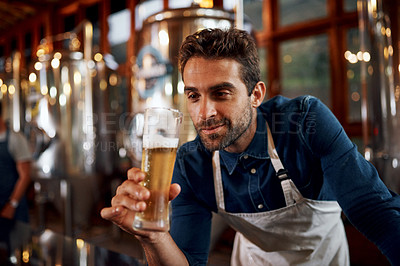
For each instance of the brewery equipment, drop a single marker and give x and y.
(69, 106)
(379, 36)
(12, 96)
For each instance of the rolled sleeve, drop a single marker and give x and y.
(19, 147)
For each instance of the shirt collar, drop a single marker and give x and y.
(257, 149)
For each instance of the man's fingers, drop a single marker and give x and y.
(132, 189)
(128, 202)
(110, 212)
(174, 191)
(135, 174)
(119, 216)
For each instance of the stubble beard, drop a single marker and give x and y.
(233, 132)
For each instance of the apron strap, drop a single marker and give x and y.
(219, 191)
(276, 162)
(281, 172)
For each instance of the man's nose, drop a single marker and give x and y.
(207, 109)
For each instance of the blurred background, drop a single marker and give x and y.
(76, 74)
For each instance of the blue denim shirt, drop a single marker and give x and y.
(320, 158)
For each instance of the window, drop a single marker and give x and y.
(350, 5)
(145, 9)
(262, 53)
(305, 41)
(295, 11)
(305, 67)
(119, 33)
(253, 13)
(252, 9)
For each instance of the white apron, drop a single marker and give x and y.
(305, 232)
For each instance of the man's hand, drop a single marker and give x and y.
(129, 199)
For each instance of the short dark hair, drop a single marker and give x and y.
(222, 44)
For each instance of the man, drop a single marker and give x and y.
(15, 160)
(276, 171)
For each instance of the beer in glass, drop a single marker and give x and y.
(160, 143)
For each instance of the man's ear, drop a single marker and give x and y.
(258, 94)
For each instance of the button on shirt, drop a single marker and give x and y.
(320, 159)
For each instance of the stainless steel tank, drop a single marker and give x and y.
(156, 78)
(71, 106)
(379, 26)
(71, 117)
(12, 95)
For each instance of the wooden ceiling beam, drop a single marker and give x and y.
(74, 6)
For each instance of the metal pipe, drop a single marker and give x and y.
(16, 113)
(88, 119)
(239, 20)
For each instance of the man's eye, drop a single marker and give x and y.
(221, 94)
(193, 96)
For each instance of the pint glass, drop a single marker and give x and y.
(160, 143)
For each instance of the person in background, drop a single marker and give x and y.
(280, 172)
(15, 162)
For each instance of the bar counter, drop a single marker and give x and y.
(47, 247)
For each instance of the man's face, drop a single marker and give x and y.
(218, 102)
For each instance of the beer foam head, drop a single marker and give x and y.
(158, 141)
